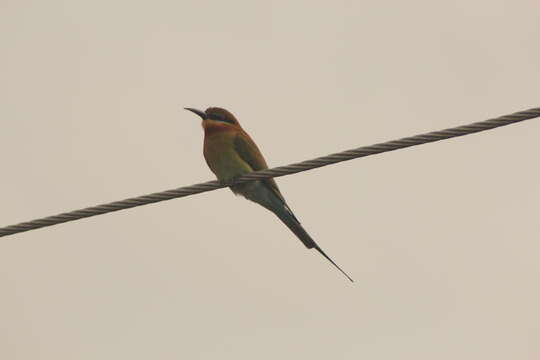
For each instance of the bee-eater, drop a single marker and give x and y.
(230, 152)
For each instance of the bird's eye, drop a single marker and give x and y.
(216, 117)
(219, 117)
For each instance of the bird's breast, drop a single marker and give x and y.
(221, 155)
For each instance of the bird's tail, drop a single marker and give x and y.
(287, 217)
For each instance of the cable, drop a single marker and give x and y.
(275, 172)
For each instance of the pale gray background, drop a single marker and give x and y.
(442, 239)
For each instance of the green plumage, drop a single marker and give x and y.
(230, 152)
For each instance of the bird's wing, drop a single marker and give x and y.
(250, 153)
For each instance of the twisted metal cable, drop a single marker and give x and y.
(274, 172)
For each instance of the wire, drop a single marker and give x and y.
(274, 172)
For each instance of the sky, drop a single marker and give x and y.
(441, 239)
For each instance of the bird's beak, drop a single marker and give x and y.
(202, 114)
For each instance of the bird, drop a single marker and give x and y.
(230, 152)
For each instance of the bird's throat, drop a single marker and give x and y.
(213, 127)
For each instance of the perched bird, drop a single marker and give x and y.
(230, 153)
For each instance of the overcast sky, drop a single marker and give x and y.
(442, 239)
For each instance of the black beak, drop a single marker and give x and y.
(202, 114)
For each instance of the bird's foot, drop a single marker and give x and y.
(229, 182)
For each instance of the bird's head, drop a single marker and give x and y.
(215, 116)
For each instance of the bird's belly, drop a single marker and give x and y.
(226, 166)
(223, 160)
